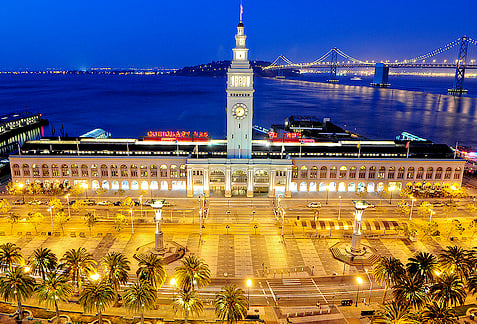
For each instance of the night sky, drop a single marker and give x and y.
(164, 33)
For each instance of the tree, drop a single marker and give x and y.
(61, 219)
(120, 222)
(407, 229)
(101, 191)
(423, 265)
(120, 192)
(424, 209)
(455, 259)
(10, 256)
(90, 219)
(151, 269)
(403, 208)
(43, 260)
(361, 192)
(410, 289)
(431, 229)
(78, 262)
(382, 194)
(5, 207)
(17, 286)
(456, 227)
(473, 226)
(437, 313)
(76, 190)
(35, 218)
(231, 304)
(387, 271)
(188, 301)
(394, 312)
(405, 192)
(35, 189)
(116, 268)
(193, 272)
(55, 204)
(53, 288)
(13, 218)
(449, 288)
(77, 205)
(140, 297)
(96, 296)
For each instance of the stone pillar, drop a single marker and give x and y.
(356, 238)
(250, 183)
(288, 183)
(190, 189)
(206, 183)
(159, 235)
(228, 182)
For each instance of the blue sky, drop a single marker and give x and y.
(83, 34)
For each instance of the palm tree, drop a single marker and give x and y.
(424, 265)
(394, 313)
(43, 260)
(116, 267)
(192, 272)
(409, 289)
(449, 288)
(54, 288)
(387, 271)
(188, 301)
(140, 297)
(96, 296)
(151, 269)
(17, 286)
(77, 262)
(437, 313)
(455, 259)
(10, 255)
(231, 304)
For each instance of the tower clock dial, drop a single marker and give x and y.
(239, 111)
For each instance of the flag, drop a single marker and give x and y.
(407, 144)
(407, 147)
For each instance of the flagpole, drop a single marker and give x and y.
(455, 151)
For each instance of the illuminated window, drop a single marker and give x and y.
(352, 172)
(36, 170)
(16, 170)
(163, 171)
(124, 171)
(343, 171)
(217, 176)
(84, 170)
(400, 174)
(173, 171)
(372, 172)
(94, 170)
(143, 170)
(133, 170)
(294, 172)
(104, 170)
(114, 171)
(391, 172)
(153, 169)
(429, 173)
(447, 174)
(457, 173)
(410, 173)
(65, 172)
(45, 170)
(439, 173)
(183, 171)
(304, 172)
(313, 172)
(362, 172)
(420, 173)
(55, 170)
(381, 172)
(26, 170)
(74, 170)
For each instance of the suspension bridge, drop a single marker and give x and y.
(330, 61)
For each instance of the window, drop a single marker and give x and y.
(343, 171)
(304, 172)
(163, 171)
(456, 173)
(372, 172)
(143, 171)
(313, 172)
(410, 173)
(65, 172)
(36, 170)
(400, 174)
(333, 172)
(429, 172)
(391, 171)
(94, 170)
(261, 176)
(45, 170)
(26, 170)
(16, 170)
(420, 173)
(84, 170)
(133, 170)
(362, 172)
(323, 172)
(74, 170)
(239, 176)
(183, 171)
(217, 176)
(439, 173)
(352, 172)
(173, 171)
(153, 169)
(381, 172)
(114, 171)
(55, 170)
(448, 173)
(124, 171)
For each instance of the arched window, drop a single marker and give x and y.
(391, 171)
(239, 176)
(144, 171)
(55, 171)
(457, 172)
(173, 171)
(448, 173)
(294, 172)
(343, 171)
(313, 172)
(362, 172)
(304, 172)
(429, 172)
(45, 170)
(16, 170)
(372, 172)
(133, 171)
(400, 174)
(124, 172)
(163, 171)
(74, 170)
(323, 172)
(84, 170)
(104, 170)
(94, 170)
(65, 172)
(26, 170)
(183, 171)
(333, 172)
(438, 173)
(352, 172)
(381, 172)
(114, 172)
(420, 173)
(217, 176)
(36, 170)
(410, 173)
(153, 170)
(261, 176)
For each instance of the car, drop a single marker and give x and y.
(166, 203)
(104, 203)
(314, 205)
(71, 202)
(18, 202)
(35, 202)
(117, 203)
(89, 202)
(438, 204)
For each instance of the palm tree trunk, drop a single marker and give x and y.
(385, 290)
(185, 317)
(57, 311)
(100, 317)
(142, 317)
(20, 308)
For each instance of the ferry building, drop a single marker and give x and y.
(192, 164)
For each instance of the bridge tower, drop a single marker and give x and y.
(458, 87)
(381, 74)
(334, 63)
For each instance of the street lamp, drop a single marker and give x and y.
(94, 277)
(227, 229)
(140, 202)
(359, 206)
(249, 284)
(85, 188)
(370, 286)
(412, 206)
(173, 284)
(68, 202)
(430, 215)
(21, 186)
(327, 191)
(359, 280)
(391, 189)
(132, 221)
(51, 217)
(339, 209)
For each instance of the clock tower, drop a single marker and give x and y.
(239, 99)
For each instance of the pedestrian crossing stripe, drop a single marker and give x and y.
(376, 225)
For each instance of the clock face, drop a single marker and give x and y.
(239, 111)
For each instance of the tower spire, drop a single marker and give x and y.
(241, 10)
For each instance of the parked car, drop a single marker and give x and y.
(89, 202)
(314, 205)
(71, 202)
(117, 203)
(104, 203)
(35, 202)
(18, 202)
(166, 203)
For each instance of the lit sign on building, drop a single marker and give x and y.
(177, 136)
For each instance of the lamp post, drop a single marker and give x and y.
(391, 189)
(327, 191)
(51, 217)
(431, 212)
(249, 284)
(68, 203)
(159, 235)
(370, 286)
(140, 202)
(283, 220)
(359, 280)
(132, 221)
(339, 209)
(173, 284)
(412, 206)
(359, 206)
(21, 186)
(85, 187)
